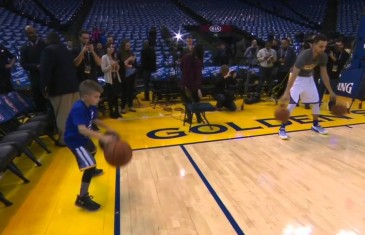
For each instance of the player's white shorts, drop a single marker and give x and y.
(305, 89)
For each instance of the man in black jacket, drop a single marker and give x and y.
(59, 80)
(148, 65)
(30, 57)
(337, 59)
(223, 92)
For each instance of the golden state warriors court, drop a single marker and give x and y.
(236, 178)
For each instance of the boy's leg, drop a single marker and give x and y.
(84, 200)
(87, 164)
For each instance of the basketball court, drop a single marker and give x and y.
(238, 178)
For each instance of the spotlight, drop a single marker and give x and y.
(178, 36)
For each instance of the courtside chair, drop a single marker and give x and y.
(7, 155)
(202, 107)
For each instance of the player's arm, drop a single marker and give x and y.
(326, 81)
(291, 80)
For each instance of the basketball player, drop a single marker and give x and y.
(301, 83)
(77, 138)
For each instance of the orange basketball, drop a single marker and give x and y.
(118, 153)
(282, 114)
(339, 109)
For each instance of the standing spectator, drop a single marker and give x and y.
(266, 57)
(59, 80)
(30, 58)
(95, 35)
(189, 46)
(85, 58)
(191, 68)
(128, 60)
(222, 54)
(337, 58)
(69, 45)
(251, 52)
(110, 68)
(152, 36)
(102, 37)
(286, 59)
(7, 61)
(240, 51)
(148, 65)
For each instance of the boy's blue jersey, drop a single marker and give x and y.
(80, 114)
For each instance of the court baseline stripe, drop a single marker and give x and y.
(224, 209)
(117, 203)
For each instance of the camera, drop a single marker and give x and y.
(331, 47)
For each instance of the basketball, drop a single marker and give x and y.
(282, 114)
(118, 153)
(339, 109)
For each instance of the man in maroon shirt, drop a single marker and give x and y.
(191, 81)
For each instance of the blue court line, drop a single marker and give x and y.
(117, 203)
(224, 209)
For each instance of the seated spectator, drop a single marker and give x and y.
(223, 92)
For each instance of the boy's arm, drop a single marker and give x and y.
(89, 133)
(94, 134)
(100, 123)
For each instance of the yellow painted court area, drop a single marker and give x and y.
(163, 125)
(45, 206)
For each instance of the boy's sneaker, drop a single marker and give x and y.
(87, 203)
(97, 172)
(282, 134)
(319, 130)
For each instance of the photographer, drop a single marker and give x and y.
(266, 57)
(337, 58)
(85, 58)
(223, 92)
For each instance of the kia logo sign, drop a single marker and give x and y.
(215, 28)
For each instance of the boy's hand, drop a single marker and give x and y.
(107, 138)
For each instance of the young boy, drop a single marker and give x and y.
(77, 138)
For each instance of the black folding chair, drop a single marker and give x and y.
(192, 107)
(7, 155)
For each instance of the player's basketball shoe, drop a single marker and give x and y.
(282, 134)
(319, 130)
(87, 203)
(97, 172)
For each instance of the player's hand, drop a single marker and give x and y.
(285, 98)
(333, 97)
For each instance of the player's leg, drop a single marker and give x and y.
(310, 96)
(295, 92)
